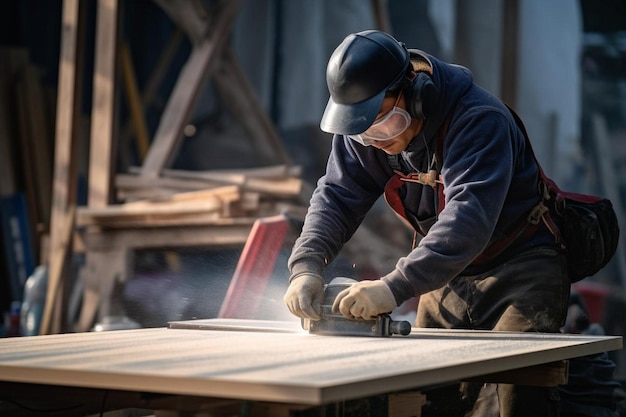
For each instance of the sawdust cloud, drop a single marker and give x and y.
(192, 284)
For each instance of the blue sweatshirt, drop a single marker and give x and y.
(489, 174)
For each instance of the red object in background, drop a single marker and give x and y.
(254, 268)
(13, 325)
(595, 296)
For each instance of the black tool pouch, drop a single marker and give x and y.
(587, 224)
(590, 232)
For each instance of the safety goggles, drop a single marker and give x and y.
(391, 125)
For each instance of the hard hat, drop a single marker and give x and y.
(359, 72)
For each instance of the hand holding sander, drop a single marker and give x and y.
(333, 323)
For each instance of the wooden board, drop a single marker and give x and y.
(225, 233)
(288, 367)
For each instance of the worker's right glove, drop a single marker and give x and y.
(365, 300)
(304, 296)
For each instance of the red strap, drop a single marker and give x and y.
(392, 195)
(430, 178)
(524, 230)
(548, 188)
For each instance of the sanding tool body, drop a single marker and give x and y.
(333, 323)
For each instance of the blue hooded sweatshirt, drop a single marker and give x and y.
(490, 181)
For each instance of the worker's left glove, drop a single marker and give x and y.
(304, 296)
(365, 300)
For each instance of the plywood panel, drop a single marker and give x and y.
(284, 366)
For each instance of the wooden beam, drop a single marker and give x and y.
(103, 154)
(191, 180)
(161, 68)
(224, 193)
(58, 259)
(129, 182)
(226, 233)
(40, 133)
(64, 177)
(189, 15)
(87, 216)
(155, 80)
(133, 98)
(215, 208)
(282, 187)
(273, 171)
(103, 117)
(186, 92)
(145, 221)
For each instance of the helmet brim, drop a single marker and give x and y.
(351, 119)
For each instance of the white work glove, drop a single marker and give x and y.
(304, 296)
(365, 300)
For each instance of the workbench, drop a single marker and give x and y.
(230, 362)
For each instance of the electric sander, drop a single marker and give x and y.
(336, 324)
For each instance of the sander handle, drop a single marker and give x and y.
(400, 327)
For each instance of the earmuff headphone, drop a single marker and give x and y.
(420, 95)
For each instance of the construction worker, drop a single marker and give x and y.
(452, 161)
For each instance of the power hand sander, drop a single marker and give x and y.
(336, 324)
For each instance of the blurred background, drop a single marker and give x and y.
(140, 142)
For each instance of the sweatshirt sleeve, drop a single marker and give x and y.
(338, 205)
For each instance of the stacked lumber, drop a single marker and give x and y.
(185, 198)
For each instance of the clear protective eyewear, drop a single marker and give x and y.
(391, 125)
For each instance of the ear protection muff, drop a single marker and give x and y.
(420, 95)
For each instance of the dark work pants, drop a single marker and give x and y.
(528, 293)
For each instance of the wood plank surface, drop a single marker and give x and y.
(278, 366)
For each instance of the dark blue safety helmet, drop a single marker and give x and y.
(359, 72)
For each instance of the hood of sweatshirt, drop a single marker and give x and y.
(452, 82)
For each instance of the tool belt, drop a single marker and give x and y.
(538, 216)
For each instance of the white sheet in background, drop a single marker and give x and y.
(550, 39)
(308, 32)
(442, 14)
(549, 82)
